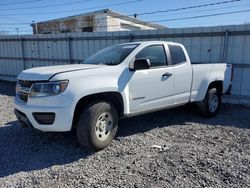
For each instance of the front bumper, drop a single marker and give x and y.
(61, 106)
(22, 118)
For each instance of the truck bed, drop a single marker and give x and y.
(206, 73)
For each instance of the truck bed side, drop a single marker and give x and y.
(205, 74)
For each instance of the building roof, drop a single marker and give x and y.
(110, 13)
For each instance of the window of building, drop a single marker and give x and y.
(65, 31)
(87, 29)
(46, 32)
(156, 54)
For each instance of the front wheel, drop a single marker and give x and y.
(210, 106)
(97, 125)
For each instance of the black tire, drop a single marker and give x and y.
(94, 130)
(210, 106)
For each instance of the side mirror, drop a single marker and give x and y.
(140, 64)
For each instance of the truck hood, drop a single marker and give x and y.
(45, 73)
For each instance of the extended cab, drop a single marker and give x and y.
(119, 81)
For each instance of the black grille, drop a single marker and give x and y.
(22, 96)
(25, 83)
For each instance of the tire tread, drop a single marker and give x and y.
(86, 119)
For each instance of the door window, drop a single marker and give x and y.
(156, 54)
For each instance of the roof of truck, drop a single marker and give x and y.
(151, 42)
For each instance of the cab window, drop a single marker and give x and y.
(155, 53)
(177, 54)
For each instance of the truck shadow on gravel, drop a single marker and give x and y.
(7, 88)
(25, 149)
(229, 115)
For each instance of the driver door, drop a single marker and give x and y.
(152, 88)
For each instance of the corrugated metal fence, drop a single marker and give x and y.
(229, 44)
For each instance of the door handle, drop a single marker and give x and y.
(167, 74)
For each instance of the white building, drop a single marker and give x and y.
(102, 20)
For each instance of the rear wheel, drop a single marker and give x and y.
(210, 106)
(97, 125)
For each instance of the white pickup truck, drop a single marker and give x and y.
(119, 81)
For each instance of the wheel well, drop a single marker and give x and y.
(114, 97)
(216, 84)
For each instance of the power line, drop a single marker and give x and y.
(144, 13)
(213, 9)
(190, 7)
(20, 2)
(201, 16)
(178, 9)
(19, 31)
(136, 14)
(55, 12)
(48, 6)
(14, 23)
(173, 19)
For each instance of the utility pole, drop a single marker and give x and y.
(36, 29)
(17, 31)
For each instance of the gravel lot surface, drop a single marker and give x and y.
(198, 152)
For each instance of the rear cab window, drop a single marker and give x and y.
(177, 54)
(155, 53)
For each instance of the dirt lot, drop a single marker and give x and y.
(198, 152)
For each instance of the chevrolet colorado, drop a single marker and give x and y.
(119, 81)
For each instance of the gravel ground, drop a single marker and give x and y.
(198, 152)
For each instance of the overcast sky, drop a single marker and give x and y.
(23, 12)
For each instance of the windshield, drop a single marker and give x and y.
(112, 55)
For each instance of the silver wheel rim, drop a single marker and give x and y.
(103, 126)
(213, 103)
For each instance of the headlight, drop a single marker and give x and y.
(44, 89)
